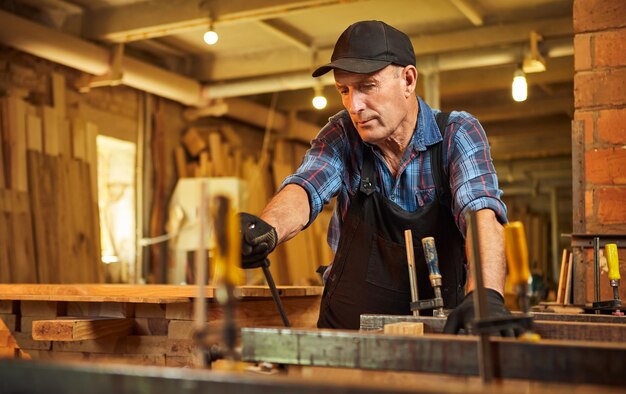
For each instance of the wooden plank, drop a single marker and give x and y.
(193, 142)
(100, 309)
(64, 133)
(75, 329)
(150, 310)
(5, 239)
(568, 281)
(8, 322)
(122, 345)
(217, 154)
(58, 94)
(50, 131)
(133, 359)
(139, 293)
(44, 204)
(64, 222)
(91, 157)
(34, 136)
(14, 135)
(561, 361)
(25, 341)
(150, 326)
(181, 162)
(8, 306)
(79, 139)
(560, 295)
(578, 331)
(22, 250)
(404, 328)
(43, 308)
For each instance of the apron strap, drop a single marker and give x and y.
(369, 176)
(442, 181)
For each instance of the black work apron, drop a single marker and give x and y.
(370, 272)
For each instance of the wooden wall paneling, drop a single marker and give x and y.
(64, 134)
(2, 143)
(24, 265)
(5, 268)
(81, 222)
(14, 131)
(95, 271)
(91, 156)
(43, 183)
(50, 130)
(58, 94)
(79, 139)
(34, 136)
(65, 222)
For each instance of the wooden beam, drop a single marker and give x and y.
(77, 329)
(557, 361)
(140, 21)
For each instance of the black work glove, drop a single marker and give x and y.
(463, 314)
(258, 239)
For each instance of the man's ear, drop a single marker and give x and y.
(410, 79)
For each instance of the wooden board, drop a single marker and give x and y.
(21, 249)
(76, 329)
(560, 295)
(160, 294)
(50, 131)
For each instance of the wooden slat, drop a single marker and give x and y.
(568, 281)
(79, 135)
(22, 249)
(217, 154)
(404, 328)
(560, 294)
(42, 308)
(64, 134)
(50, 131)
(34, 136)
(181, 162)
(76, 329)
(58, 94)
(14, 135)
(91, 156)
(193, 142)
(44, 203)
(5, 237)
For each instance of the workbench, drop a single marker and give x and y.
(137, 324)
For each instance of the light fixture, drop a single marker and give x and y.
(319, 101)
(519, 88)
(534, 62)
(211, 37)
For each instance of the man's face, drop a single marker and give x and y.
(376, 102)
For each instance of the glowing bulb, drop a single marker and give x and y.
(519, 89)
(211, 37)
(319, 102)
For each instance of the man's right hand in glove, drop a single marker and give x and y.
(258, 239)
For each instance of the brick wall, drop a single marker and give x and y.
(600, 103)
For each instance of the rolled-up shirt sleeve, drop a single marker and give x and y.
(473, 178)
(321, 168)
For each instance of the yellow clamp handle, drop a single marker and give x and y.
(516, 252)
(610, 250)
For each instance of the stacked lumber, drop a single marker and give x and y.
(212, 152)
(158, 331)
(49, 225)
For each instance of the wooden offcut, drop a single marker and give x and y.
(404, 328)
(193, 142)
(76, 329)
(560, 294)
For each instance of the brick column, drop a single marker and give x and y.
(600, 103)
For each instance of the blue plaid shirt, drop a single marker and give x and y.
(332, 167)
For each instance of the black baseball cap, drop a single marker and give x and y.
(368, 46)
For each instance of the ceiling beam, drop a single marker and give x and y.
(467, 44)
(469, 11)
(158, 18)
(287, 33)
(533, 107)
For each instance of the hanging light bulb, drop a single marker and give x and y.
(319, 101)
(211, 37)
(519, 88)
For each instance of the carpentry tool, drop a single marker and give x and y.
(265, 265)
(614, 279)
(485, 358)
(432, 261)
(226, 258)
(410, 258)
(517, 260)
